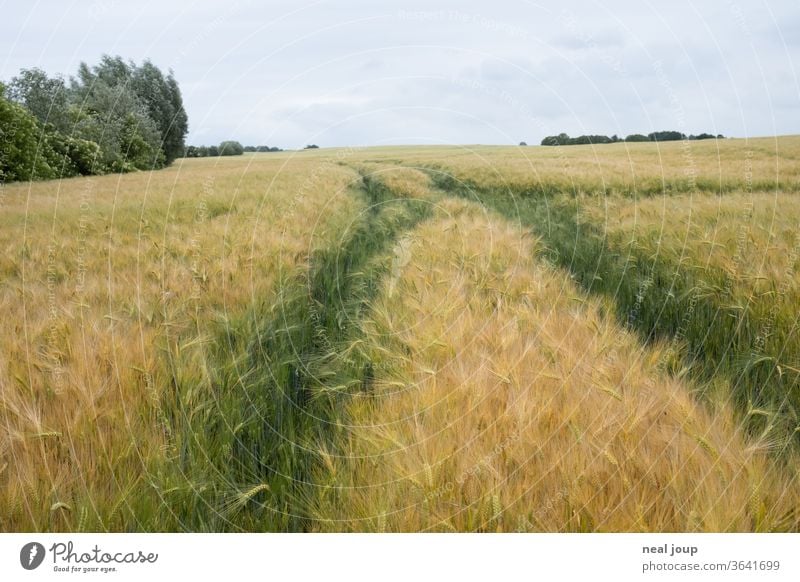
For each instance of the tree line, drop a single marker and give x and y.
(226, 148)
(232, 148)
(564, 139)
(113, 117)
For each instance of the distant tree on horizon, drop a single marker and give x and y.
(666, 136)
(656, 136)
(230, 148)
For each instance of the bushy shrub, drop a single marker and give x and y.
(73, 156)
(24, 154)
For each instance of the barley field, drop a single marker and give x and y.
(415, 338)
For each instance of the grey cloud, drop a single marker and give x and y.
(362, 72)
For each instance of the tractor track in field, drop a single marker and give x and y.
(300, 373)
(659, 300)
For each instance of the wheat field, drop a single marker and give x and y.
(112, 289)
(407, 339)
(516, 406)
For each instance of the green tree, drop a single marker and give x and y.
(108, 112)
(230, 148)
(666, 136)
(24, 154)
(45, 97)
(114, 116)
(139, 143)
(162, 98)
(554, 140)
(703, 136)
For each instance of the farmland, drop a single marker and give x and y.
(407, 338)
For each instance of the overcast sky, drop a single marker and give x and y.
(369, 72)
